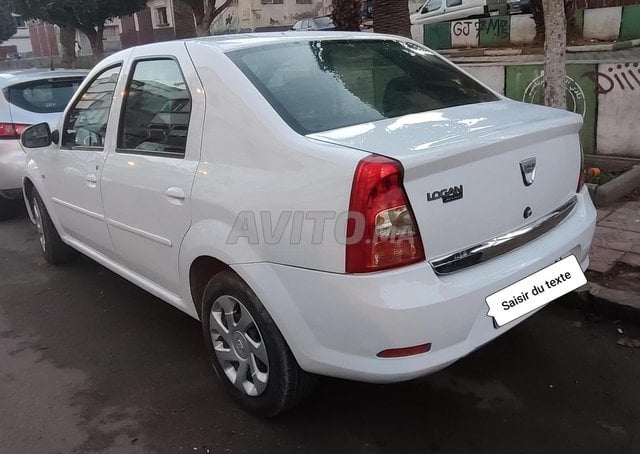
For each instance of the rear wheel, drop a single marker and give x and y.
(247, 350)
(54, 250)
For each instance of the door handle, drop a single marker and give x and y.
(91, 180)
(175, 193)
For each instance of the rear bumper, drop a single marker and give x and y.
(12, 159)
(335, 324)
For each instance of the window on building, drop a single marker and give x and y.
(111, 32)
(161, 16)
(304, 2)
(157, 109)
(267, 2)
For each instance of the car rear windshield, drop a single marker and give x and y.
(324, 22)
(43, 96)
(322, 85)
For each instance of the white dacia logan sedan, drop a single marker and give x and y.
(340, 204)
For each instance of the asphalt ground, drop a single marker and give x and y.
(91, 363)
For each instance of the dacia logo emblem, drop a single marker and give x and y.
(528, 170)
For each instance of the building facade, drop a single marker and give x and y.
(161, 20)
(249, 15)
(172, 19)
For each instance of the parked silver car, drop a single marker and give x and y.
(28, 97)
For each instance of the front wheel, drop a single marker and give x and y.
(54, 250)
(247, 350)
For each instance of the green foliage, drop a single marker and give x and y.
(82, 14)
(7, 25)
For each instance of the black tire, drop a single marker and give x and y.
(287, 383)
(9, 208)
(54, 250)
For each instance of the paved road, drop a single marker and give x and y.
(88, 362)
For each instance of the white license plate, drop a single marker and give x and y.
(535, 291)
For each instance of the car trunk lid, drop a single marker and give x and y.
(463, 172)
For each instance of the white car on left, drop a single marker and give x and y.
(28, 97)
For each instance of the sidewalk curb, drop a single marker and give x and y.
(617, 188)
(483, 52)
(612, 303)
(604, 47)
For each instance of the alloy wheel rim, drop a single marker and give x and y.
(38, 218)
(239, 346)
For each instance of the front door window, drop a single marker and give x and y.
(86, 123)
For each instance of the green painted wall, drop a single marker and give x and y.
(438, 36)
(579, 16)
(630, 26)
(495, 31)
(525, 83)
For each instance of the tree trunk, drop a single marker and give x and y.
(569, 13)
(205, 12)
(95, 37)
(202, 29)
(347, 15)
(68, 43)
(392, 17)
(555, 48)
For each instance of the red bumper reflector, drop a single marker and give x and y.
(406, 351)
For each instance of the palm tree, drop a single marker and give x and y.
(538, 17)
(347, 14)
(391, 16)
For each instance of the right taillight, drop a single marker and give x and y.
(11, 130)
(389, 236)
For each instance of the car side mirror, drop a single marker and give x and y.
(36, 136)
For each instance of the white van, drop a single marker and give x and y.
(433, 11)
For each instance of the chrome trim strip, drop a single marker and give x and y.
(73, 207)
(502, 244)
(140, 232)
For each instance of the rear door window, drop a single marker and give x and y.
(43, 96)
(156, 112)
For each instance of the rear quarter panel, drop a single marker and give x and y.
(256, 167)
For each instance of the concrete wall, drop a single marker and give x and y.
(607, 96)
(605, 24)
(85, 62)
(22, 41)
(618, 87)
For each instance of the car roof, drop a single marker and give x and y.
(232, 42)
(8, 78)
(229, 43)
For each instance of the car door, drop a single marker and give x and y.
(146, 182)
(71, 172)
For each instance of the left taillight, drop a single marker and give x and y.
(11, 130)
(389, 236)
(581, 172)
